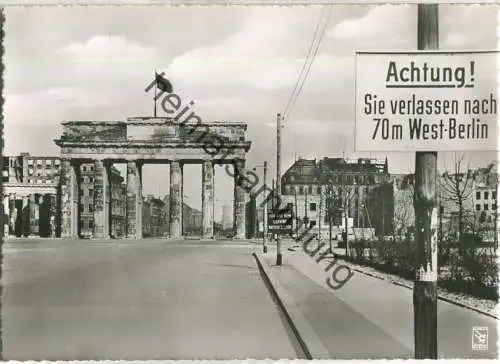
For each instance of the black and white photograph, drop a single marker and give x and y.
(232, 182)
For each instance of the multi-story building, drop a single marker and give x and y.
(30, 195)
(118, 202)
(485, 191)
(192, 221)
(476, 191)
(332, 187)
(32, 170)
(153, 216)
(86, 207)
(146, 218)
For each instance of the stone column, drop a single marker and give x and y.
(138, 201)
(34, 216)
(6, 215)
(75, 198)
(207, 199)
(25, 222)
(70, 171)
(134, 200)
(239, 200)
(53, 215)
(13, 213)
(175, 199)
(101, 199)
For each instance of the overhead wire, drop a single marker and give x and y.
(295, 88)
(315, 44)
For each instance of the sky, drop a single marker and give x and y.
(237, 63)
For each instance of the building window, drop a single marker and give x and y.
(494, 206)
(57, 162)
(84, 168)
(318, 190)
(30, 162)
(312, 206)
(494, 195)
(312, 223)
(289, 206)
(486, 195)
(478, 207)
(91, 224)
(48, 181)
(91, 192)
(91, 208)
(82, 209)
(309, 190)
(478, 195)
(485, 207)
(301, 190)
(30, 181)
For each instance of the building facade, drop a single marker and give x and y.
(192, 220)
(485, 191)
(87, 201)
(333, 191)
(153, 217)
(30, 195)
(33, 197)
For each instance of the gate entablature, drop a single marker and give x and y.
(153, 139)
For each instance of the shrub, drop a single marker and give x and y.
(471, 270)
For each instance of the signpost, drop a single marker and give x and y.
(426, 101)
(280, 221)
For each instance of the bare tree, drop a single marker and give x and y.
(456, 188)
(338, 192)
(341, 198)
(403, 211)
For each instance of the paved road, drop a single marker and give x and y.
(150, 299)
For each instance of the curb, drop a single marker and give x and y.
(310, 343)
(441, 297)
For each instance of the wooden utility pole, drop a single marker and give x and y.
(264, 220)
(425, 287)
(330, 213)
(278, 183)
(296, 214)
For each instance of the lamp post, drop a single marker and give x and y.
(264, 220)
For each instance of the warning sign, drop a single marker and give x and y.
(427, 101)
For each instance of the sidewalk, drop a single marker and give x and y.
(369, 318)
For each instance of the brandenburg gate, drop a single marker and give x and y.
(141, 140)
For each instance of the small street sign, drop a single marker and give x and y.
(280, 221)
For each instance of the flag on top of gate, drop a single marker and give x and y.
(162, 83)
